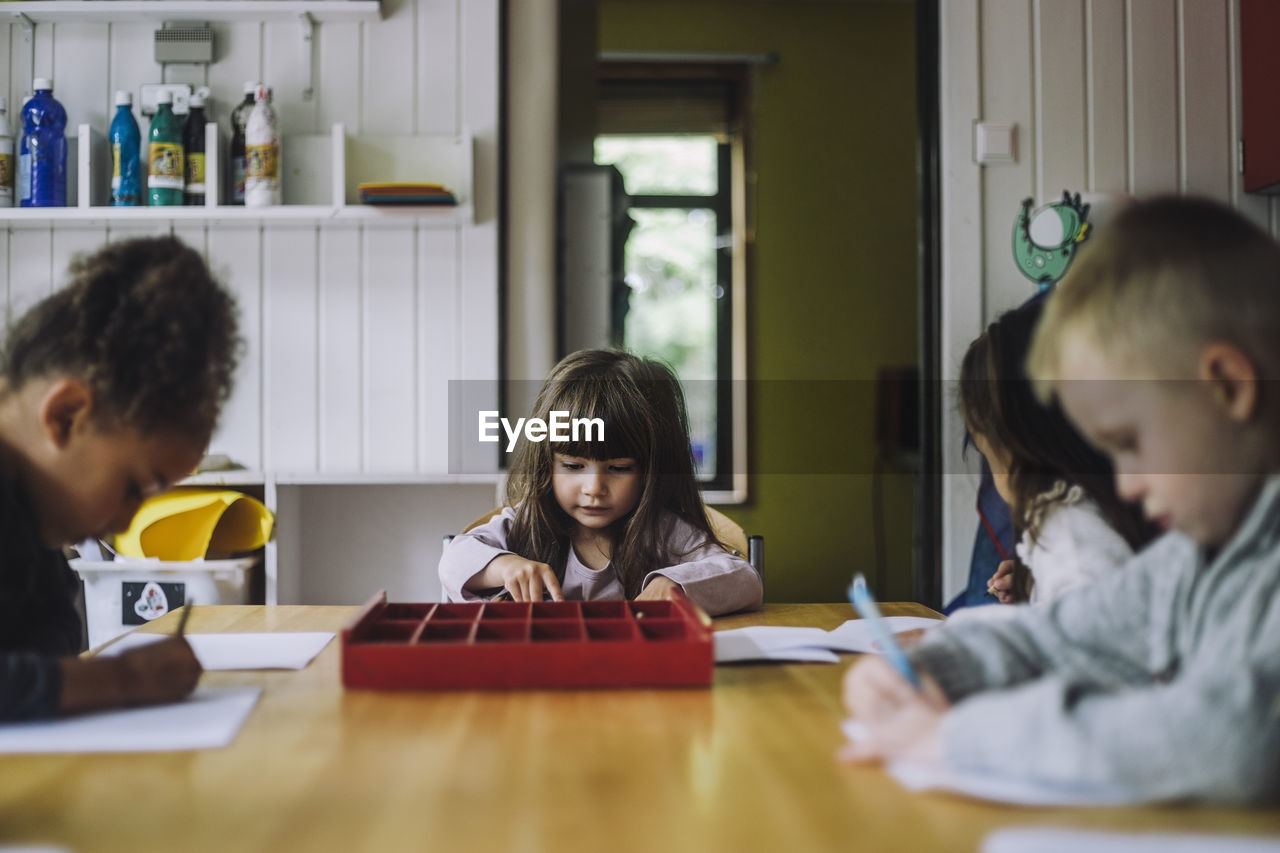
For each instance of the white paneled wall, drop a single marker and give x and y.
(1138, 97)
(352, 332)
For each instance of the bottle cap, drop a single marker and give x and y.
(164, 96)
(123, 98)
(251, 87)
(42, 84)
(196, 100)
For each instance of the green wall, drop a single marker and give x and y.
(832, 266)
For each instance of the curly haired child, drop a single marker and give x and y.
(109, 392)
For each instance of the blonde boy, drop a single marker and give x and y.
(1162, 346)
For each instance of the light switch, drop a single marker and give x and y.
(995, 142)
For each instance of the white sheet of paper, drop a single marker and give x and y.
(988, 786)
(853, 635)
(241, 651)
(1037, 839)
(774, 642)
(207, 719)
(768, 642)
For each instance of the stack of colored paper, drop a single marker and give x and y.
(405, 193)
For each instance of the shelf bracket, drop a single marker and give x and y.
(27, 58)
(307, 26)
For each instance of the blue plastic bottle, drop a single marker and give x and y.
(42, 170)
(126, 167)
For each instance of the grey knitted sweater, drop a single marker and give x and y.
(1162, 681)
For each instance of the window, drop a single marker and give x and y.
(678, 143)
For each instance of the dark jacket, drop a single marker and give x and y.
(38, 618)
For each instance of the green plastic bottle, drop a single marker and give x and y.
(165, 168)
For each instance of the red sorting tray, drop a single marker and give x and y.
(427, 646)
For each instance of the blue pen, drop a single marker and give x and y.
(862, 601)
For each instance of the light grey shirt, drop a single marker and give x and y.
(1161, 680)
(719, 582)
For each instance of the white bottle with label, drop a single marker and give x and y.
(6, 156)
(262, 154)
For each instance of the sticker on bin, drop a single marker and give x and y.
(507, 645)
(144, 602)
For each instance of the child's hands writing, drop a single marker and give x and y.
(898, 720)
(1011, 583)
(160, 672)
(524, 579)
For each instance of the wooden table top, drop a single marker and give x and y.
(744, 766)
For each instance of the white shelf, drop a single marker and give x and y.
(318, 184)
(443, 217)
(52, 11)
(330, 478)
(366, 478)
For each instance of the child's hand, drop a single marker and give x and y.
(525, 579)
(1011, 583)
(160, 672)
(900, 721)
(913, 734)
(874, 691)
(661, 588)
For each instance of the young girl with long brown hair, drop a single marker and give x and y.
(603, 517)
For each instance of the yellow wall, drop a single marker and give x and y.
(833, 278)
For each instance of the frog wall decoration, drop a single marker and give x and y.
(1045, 240)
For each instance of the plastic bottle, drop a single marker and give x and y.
(193, 147)
(126, 166)
(262, 154)
(6, 156)
(239, 119)
(164, 155)
(42, 156)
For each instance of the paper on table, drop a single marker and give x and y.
(770, 642)
(241, 651)
(988, 786)
(853, 635)
(1052, 840)
(207, 719)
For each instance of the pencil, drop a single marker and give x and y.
(862, 601)
(182, 620)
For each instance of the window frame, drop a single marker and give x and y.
(729, 204)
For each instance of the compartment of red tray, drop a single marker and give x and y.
(605, 610)
(502, 631)
(652, 609)
(446, 632)
(552, 630)
(606, 630)
(662, 629)
(557, 610)
(505, 610)
(449, 612)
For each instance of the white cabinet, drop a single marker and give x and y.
(355, 319)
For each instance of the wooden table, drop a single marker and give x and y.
(744, 766)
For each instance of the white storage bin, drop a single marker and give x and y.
(121, 594)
